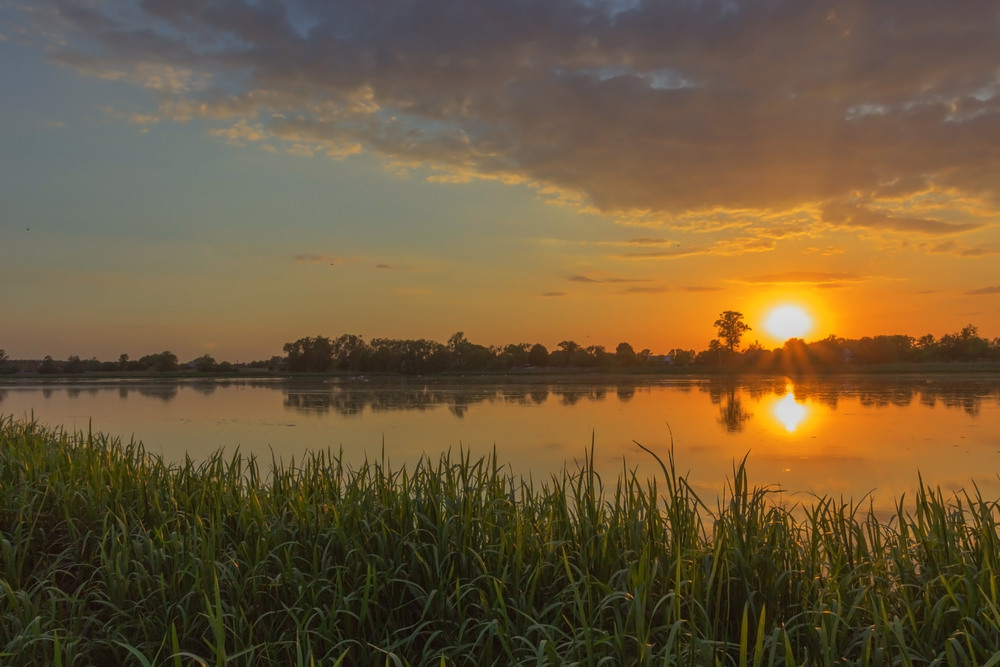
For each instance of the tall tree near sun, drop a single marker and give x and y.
(731, 328)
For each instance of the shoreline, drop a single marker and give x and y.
(973, 369)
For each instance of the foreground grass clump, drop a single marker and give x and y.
(110, 556)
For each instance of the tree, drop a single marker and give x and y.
(715, 346)
(164, 362)
(310, 355)
(204, 363)
(731, 328)
(539, 355)
(625, 354)
(5, 365)
(458, 344)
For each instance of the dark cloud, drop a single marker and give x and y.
(660, 109)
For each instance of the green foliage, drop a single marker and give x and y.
(108, 555)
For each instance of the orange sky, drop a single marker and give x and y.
(225, 177)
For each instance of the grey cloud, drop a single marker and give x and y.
(664, 107)
(856, 215)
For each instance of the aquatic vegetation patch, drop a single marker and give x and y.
(109, 555)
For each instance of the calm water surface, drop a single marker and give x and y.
(843, 436)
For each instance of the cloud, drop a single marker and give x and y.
(591, 279)
(855, 215)
(321, 259)
(554, 294)
(651, 289)
(817, 278)
(723, 247)
(953, 248)
(656, 113)
(995, 289)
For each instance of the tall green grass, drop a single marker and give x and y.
(109, 556)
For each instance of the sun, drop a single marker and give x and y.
(788, 321)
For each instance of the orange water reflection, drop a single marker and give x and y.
(789, 412)
(836, 436)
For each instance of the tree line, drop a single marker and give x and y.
(160, 362)
(351, 353)
(965, 345)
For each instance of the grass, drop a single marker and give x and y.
(109, 556)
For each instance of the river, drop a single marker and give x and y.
(845, 436)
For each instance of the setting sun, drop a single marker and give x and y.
(788, 321)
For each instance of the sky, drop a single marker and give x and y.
(225, 176)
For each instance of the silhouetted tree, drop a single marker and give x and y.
(164, 362)
(539, 355)
(6, 367)
(204, 363)
(309, 355)
(48, 365)
(457, 344)
(349, 352)
(625, 354)
(731, 328)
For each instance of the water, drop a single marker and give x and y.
(842, 436)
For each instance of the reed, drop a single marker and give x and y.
(109, 555)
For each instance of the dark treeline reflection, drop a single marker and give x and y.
(353, 398)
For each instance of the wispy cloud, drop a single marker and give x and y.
(603, 279)
(856, 215)
(816, 278)
(995, 289)
(701, 288)
(321, 259)
(723, 247)
(963, 250)
(670, 113)
(647, 289)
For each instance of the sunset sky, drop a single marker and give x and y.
(225, 176)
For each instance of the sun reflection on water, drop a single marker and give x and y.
(789, 412)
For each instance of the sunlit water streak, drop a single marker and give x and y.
(839, 436)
